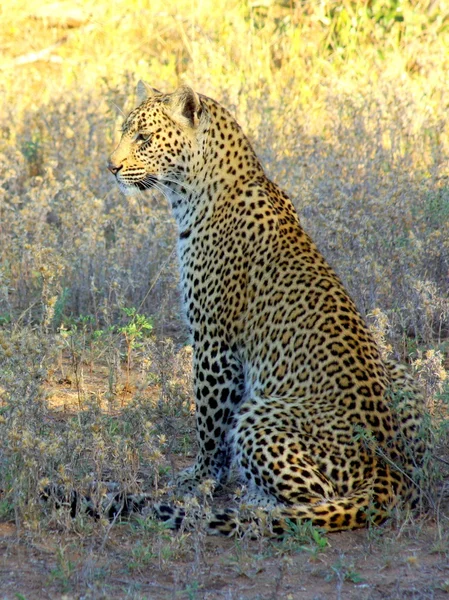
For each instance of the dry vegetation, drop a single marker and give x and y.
(346, 104)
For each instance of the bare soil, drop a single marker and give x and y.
(396, 566)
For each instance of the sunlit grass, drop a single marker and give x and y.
(346, 103)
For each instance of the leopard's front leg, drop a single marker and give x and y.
(219, 388)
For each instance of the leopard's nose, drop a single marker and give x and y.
(114, 168)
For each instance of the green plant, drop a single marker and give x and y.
(304, 537)
(59, 307)
(141, 556)
(6, 509)
(137, 327)
(192, 590)
(64, 570)
(244, 561)
(343, 570)
(5, 319)
(148, 527)
(32, 149)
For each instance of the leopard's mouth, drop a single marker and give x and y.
(146, 183)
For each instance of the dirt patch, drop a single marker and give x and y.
(354, 566)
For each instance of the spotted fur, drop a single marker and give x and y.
(289, 383)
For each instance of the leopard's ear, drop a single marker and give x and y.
(144, 92)
(184, 102)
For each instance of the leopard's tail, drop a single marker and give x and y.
(355, 511)
(338, 514)
(370, 504)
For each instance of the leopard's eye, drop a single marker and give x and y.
(141, 138)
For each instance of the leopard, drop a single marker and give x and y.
(291, 390)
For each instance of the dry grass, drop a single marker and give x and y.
(346, 109)
(346, 104)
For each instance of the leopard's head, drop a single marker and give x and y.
(161, 140)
